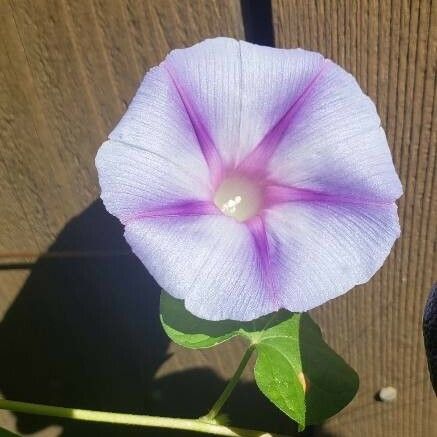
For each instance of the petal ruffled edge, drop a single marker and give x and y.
(211, 262)
(320, 251)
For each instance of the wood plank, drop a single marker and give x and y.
(69, 70)
(67, 73)
(390, 46)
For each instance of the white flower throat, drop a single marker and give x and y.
(239, 197)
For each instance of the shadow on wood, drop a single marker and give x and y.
(84, 332)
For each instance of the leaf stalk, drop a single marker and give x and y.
(215, 410)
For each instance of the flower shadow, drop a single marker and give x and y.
(84, 332)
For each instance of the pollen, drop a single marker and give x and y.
(239, 197)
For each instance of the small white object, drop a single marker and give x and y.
(239, 197)
(388, 394)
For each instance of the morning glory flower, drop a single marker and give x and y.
(251, 179)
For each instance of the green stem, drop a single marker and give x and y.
(230, 386)
(196, 425)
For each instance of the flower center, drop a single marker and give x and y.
(239, 197)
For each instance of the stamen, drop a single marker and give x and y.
(239, 197)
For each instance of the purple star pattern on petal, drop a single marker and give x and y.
(251, 179)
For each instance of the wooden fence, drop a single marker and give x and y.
(78, 325)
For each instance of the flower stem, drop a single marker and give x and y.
(196, 425)
(230, 386)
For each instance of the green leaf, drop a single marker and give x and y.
(190, 331)
(295, 368)
(6, 433)
(301, 374)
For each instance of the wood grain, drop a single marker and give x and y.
(67, 73)
(68, 70)
(390, 46)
